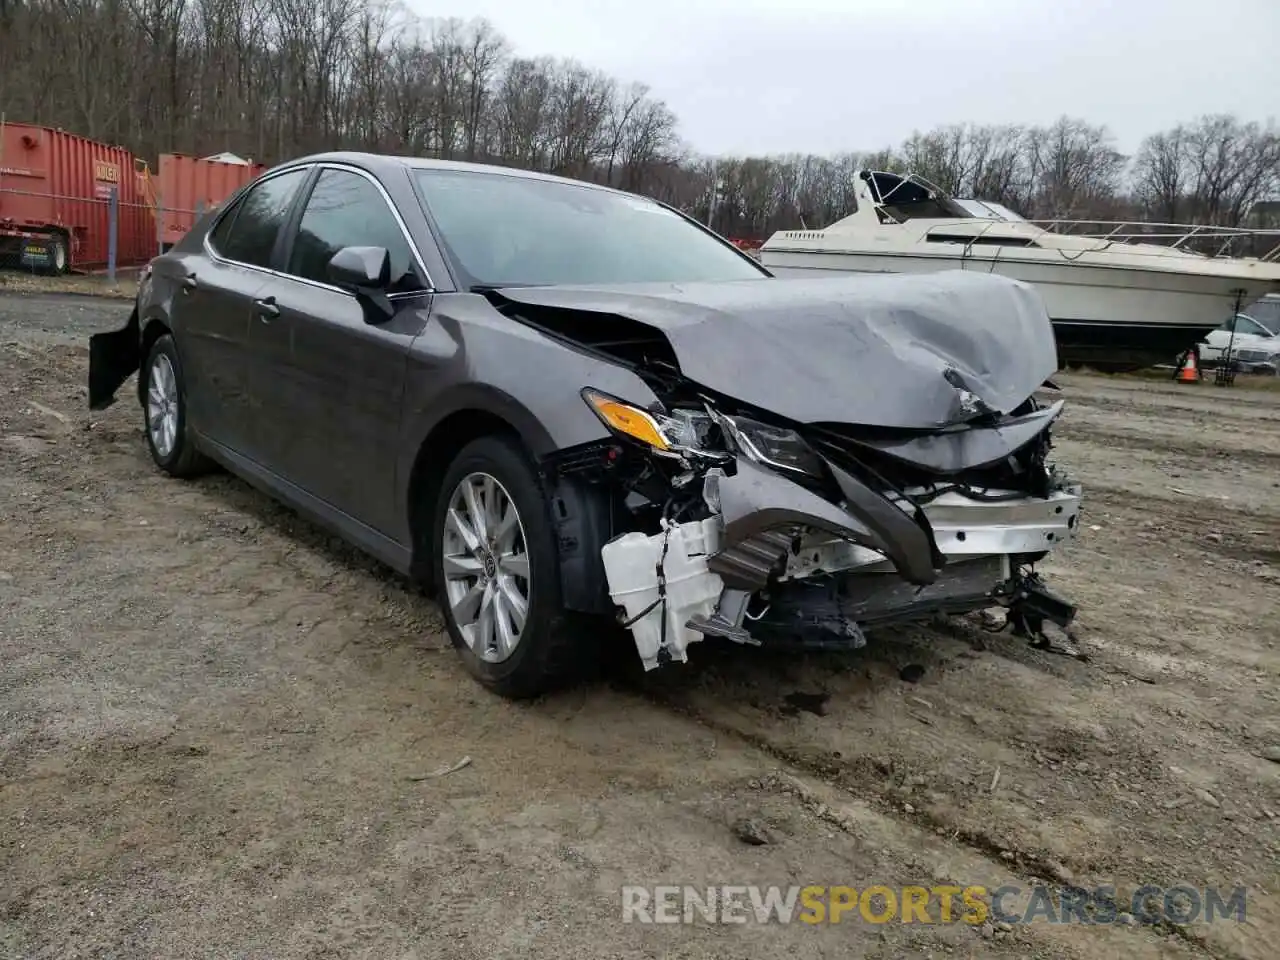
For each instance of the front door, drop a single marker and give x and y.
(331, 395)
(216, 306)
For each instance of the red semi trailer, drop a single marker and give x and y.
(187, 187)
(55, 200)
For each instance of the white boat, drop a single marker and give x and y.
(1121, 295)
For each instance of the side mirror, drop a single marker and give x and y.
(367, 272)
(363, 268)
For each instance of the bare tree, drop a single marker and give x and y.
(1231, 165)
(1075, 168)
(1161, 173)
(273, 79)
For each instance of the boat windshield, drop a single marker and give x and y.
(987, 210)
(914, 198)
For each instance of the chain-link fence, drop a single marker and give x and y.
(52, 233)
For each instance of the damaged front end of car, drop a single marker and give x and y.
(763, 532)
(819, 456)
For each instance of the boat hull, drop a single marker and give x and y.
(1105, 317)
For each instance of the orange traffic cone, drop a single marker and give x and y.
(1190, 372)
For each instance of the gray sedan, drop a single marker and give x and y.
(549, 401)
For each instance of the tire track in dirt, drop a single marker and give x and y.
(1249, 397)
(1158, 476)
(864, 780)
(1227, 445)
(1206, 410)
(917, 789)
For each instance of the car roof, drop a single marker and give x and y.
(380, 162)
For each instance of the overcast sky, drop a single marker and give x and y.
(772, 76)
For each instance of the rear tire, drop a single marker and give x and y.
(164, 410)
(499, 577)
(59, 255)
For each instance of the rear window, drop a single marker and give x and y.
(248, 232)
(503, 230)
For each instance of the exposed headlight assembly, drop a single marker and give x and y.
(677, 434)
(776, 447)
(707, 433)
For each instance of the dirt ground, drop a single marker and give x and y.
(125, 286)
(212, 716)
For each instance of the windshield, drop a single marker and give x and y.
(978, 209)
(1003, 211)
(1267, 313)
(987, 210)
(1242, 323)
(502, 230)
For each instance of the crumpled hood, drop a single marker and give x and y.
(871, 350)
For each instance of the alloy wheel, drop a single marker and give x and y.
(485, 562)
(162, 406)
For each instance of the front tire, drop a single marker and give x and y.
(497, 571)
(165, 413)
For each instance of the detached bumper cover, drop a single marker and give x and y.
(760, 507)
(830, 612)
(950, 453)
(825, 571)
(113, 358)
(762, 510)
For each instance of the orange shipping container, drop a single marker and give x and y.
(188, 187)
(55, 190)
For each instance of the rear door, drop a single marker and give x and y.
(332, 403)
(215, 307)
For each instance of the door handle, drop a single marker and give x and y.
(266, 309)
(189, 282)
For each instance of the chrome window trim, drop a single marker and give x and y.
(284, 275)
(220, 258)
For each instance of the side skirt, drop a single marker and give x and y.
(377, 545)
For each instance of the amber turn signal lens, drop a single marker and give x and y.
(628, 420)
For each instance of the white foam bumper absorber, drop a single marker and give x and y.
(687, 587)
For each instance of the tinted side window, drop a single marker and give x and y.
(252, 235)
(346, 210)
(218, 238)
